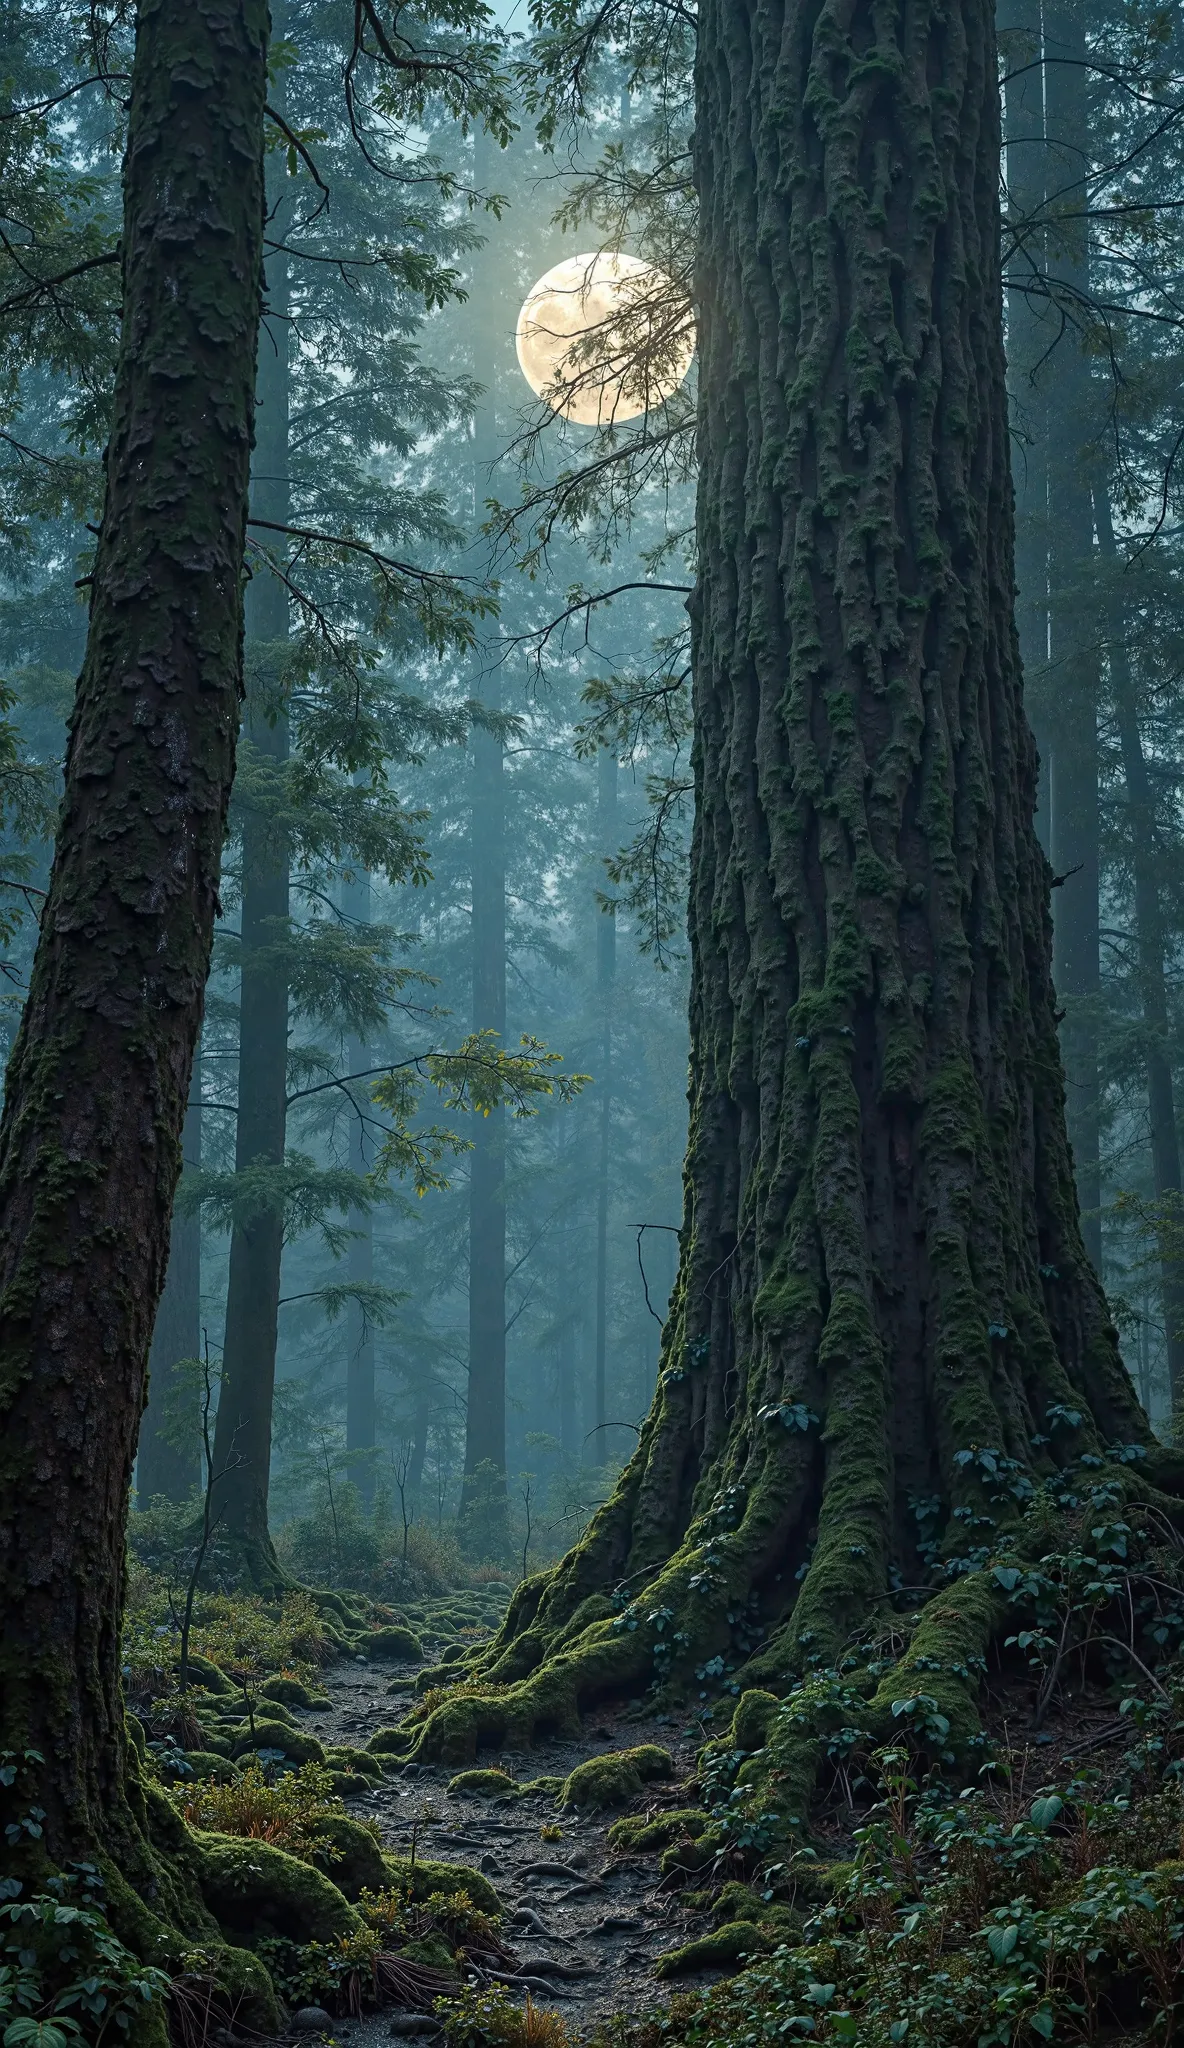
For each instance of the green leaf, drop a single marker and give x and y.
(1045, 1811)
(1007, 1576)
(1042, 2022)
(1002, 1940)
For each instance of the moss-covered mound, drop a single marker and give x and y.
(637, 1832)
(209, 1764)
(253, 1889)
(615, 1779)
(399, 1645)
(291, 1693)
(724, 1949)
(423, 1877)
(350, 1854)
(294, 1743)
(483, 1785)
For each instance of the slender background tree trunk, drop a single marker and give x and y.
(1073, 650)
(98, 1082)
(1144, 840)
(606, 977)
(242, 1441)
(360, 1397)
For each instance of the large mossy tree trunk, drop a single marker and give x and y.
(882, 1274)
(96, 1089)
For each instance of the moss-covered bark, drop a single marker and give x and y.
(97, 1085)
(885, 1321)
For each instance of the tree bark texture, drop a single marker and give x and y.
(242, 1438)
(90, 1140)
(166, 1466)
(1073, 657)
(882, 1271)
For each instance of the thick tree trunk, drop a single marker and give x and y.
(1144, 842)
(882, 1275)
(90, 1141)
(1073, 675)
(242, 1439)
(168, 1462)
(606, 977)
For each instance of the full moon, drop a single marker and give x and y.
(579, 333)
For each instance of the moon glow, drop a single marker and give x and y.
(582, 336)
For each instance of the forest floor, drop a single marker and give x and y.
(573, 1902)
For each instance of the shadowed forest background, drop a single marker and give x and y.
(652, 1245)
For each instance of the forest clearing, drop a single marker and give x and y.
(591, 1259)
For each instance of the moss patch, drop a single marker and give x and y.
(725, 1949)
(350, 1854)
(615, 1779)
(295, 1743)
(483, 1784)
(253, 1889)
(399, 1645)
(423, 1877)
(291, 1693)
(637, 1832)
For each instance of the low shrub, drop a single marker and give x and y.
(283, 1809)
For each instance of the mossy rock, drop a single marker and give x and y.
(753, 1718)
(387, 1742)
(424, 1877)
(253, 1889)
(483, 1784)
(350, 1854)
(615, 1779)
(291, 1693)
(213, 1742)
(349, 1784)
(212, 1676)
(723, 1950)
(638, 1832)
(399, 1645)
(342, 1756)
(206, 1764)
(297, 1745)
(541, 1788)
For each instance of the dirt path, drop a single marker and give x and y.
(592, 1910)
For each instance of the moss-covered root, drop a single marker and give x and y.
(615, 1779)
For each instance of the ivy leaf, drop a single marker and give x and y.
(1007, 1576)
